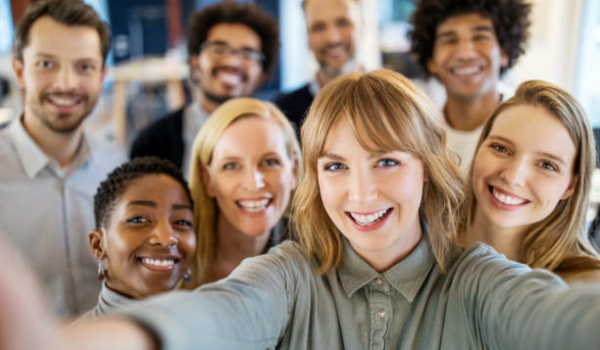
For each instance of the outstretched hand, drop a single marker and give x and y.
(25, 318)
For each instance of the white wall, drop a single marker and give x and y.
(554, 43)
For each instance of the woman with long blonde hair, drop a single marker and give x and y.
(530, 182)
(242, 176)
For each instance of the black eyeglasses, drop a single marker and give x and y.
(220, 50)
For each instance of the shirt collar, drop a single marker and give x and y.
(31, 155)
(314, 87)
(406, 277)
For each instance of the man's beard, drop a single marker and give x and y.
(331, 72)
(52, 121)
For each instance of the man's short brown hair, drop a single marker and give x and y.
(67, 12)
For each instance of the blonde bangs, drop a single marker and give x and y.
(388, 113)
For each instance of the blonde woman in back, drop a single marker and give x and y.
(242, 176)
(530, 182)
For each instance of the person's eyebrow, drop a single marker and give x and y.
(181, 206)
(142, 203)
(483, 28)
(332, 156)
(553, 157)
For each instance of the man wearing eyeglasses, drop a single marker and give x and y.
(232, 46)
(334, 29)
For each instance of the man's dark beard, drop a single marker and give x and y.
(218, 99)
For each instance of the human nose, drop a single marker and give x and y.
(515, 172)
(362, 188)
(66, 79)
(254, 179)
(465, 48)
(163, 234)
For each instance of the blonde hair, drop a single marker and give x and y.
(205, 208)
(393, 115)
(559, 242)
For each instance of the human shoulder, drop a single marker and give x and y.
(290, 97)
(173, 120)
(581, 277)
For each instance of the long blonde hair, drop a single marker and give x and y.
(205, 208)
(394, 116)
(559, 242)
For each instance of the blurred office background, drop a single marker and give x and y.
(149, 69)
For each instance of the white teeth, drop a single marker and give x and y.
(365, 220)
(466, 70)
(63, 101)
(158, 262)
(232, 79)
(507, 199)
(254, 205)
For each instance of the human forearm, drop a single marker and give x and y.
(108, 333)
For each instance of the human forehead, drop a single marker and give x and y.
(465, 22)
(50, 37)
(236, 35)
(533, 128)
(251, 136)
(329, 10)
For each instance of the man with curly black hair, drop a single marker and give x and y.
(232, 47)
(468, 45)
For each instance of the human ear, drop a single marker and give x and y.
(96, 242)
(206, 181)
(17, 66)
(503, 59)
(569, 191)
(294, 179)
(195, 66)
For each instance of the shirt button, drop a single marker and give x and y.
(379, 281)
(381, 313)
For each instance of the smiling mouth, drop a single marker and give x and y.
(64, 102)
(369, 219)
(506, 199)
(254, 205)
(466, 71)
(164, 264)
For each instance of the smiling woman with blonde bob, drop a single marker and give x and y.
(537, 148)
(226, 232)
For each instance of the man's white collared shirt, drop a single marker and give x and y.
(48, 212)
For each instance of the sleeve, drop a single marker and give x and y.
(248, 310)
(512, 307)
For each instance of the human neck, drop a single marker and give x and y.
(324, 77)
(469, 114)
(206, 103)
(61, 147)
(505, 240)
(233, 246)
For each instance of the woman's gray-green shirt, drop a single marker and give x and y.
(279, 301)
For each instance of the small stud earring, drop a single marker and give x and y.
(187, 276)
(101, 271)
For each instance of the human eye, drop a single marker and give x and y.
(334, 167)
(45, 64)
(138, 219)
(271, 162)
(343, 22)
(184, 223)
(317, 27)
(498, 147)
(219, 49)
(251, 55)
(229, 166)
(87, 67)
(387, 162)
(549, 166)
